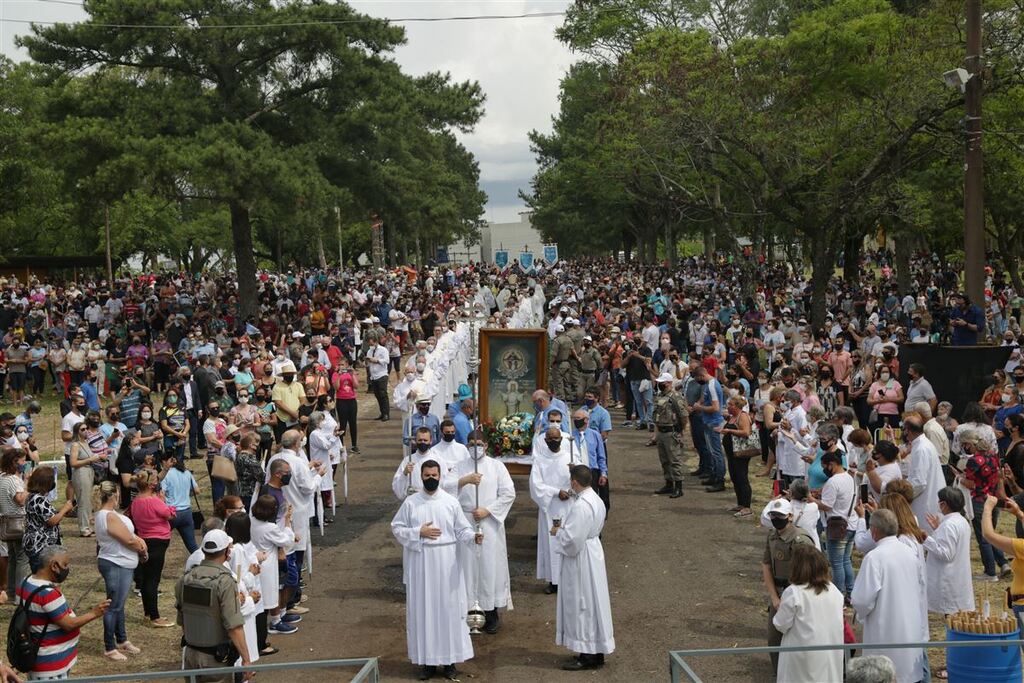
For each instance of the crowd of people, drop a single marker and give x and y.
(153, 371)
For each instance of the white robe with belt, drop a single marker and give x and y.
(584, 615)
(948, 566)
(497, 493)
(435, 620)
(548, 476)
(808, 618)
(887, 596)
(924, 472)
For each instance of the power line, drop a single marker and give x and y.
(319, 22)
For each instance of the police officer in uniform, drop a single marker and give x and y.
(575, 334)
(590, 364)
(777, 555)
(206, 598)
(669, 419)
(561, 354)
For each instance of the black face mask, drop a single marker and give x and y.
(62, 575)
(579, 423)
(553, 445)
(448, 437)
(424, 408)
(780, 523)
(213, 411)
(423, 447)
(286, 479)
(431, 484)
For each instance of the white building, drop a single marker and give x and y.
(513, 237)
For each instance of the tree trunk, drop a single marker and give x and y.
(822, 267)
(245, 259)
(670, 244)
(320, 250)
(709, 241)
(902, 261)
(851, 259)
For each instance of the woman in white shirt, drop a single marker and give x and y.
(810, 613)
(243, 557)
(322, 436)
(272, 534)
(948, 556)
(119, 551)
(882, 467)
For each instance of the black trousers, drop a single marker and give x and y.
(348, 410)
(261, 631)
(380, 391)
(602, 491)
(149, 575)
(739, 473)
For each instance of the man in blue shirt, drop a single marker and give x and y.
(422, 418)
(599, 418)
(966, 321)
(543, 404)
(589, 441)
(92, 398)
(463, 423)
(711, 404)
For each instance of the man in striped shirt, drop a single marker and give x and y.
(51, 615)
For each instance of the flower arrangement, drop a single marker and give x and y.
(512, 435)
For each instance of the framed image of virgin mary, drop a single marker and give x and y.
(513, 364)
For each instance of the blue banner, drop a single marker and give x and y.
(501, 258)
(526, 260)
(551, 253)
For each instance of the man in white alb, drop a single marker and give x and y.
(549, 489)
(584, 616)
(487, 581)
(924, 472)
(429, 525)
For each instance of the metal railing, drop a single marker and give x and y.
(369, 671)
(678, 666)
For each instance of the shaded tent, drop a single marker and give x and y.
(49, 267)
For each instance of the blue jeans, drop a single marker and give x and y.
(839, 557)
(118, 581)
(642, 401)
(700, 444)
(990, 556)
(716, 454)
(186, 529)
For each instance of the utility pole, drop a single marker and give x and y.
(974, 190)
(110, 263)
(341, 254)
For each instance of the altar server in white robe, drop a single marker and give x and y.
(886, 597)
(429, 525)
(448, 449)
(407, 475)
(924, 472)
(584, 615)
(810, 613)
(323, 441)
(550, 490)
(948, 556)
(302, 490)
(487, 581)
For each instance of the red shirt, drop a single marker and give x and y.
(982, 472)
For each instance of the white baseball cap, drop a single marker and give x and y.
(665, 377)
(780, 506)
(215, 541)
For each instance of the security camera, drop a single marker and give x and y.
(957, 79)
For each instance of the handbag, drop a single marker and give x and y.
(223, 469)
(197, 514)
(836, 527)
(746, 446)
(12, 527)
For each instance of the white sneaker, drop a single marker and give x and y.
(986, 578)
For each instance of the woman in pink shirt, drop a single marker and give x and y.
(345, 386)
(151, 515)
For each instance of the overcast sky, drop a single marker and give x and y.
(517, 61)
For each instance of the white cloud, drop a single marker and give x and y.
(518, 62)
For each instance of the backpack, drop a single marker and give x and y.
(22, 644)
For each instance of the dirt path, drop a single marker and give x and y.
(683, 573)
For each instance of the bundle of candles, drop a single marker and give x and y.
(977, 622)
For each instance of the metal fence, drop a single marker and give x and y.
(678, 666)
(369, 671)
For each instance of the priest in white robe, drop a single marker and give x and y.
(948, 556)
(550, 490)
(886, 597)
(924, 472)
(302, 490)
(407, 481)
(429, 525)
(486, 569)
(584, 615)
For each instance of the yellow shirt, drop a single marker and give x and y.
(290, 396)
(1017, 587)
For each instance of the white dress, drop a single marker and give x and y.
(548, 476)
(435, 621)
(584, 615)
(948, 566)
(808, 618)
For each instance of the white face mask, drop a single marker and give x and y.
(1006, 398)
(23, 436)
(146, 415)
(885, 376)
(243, 399)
